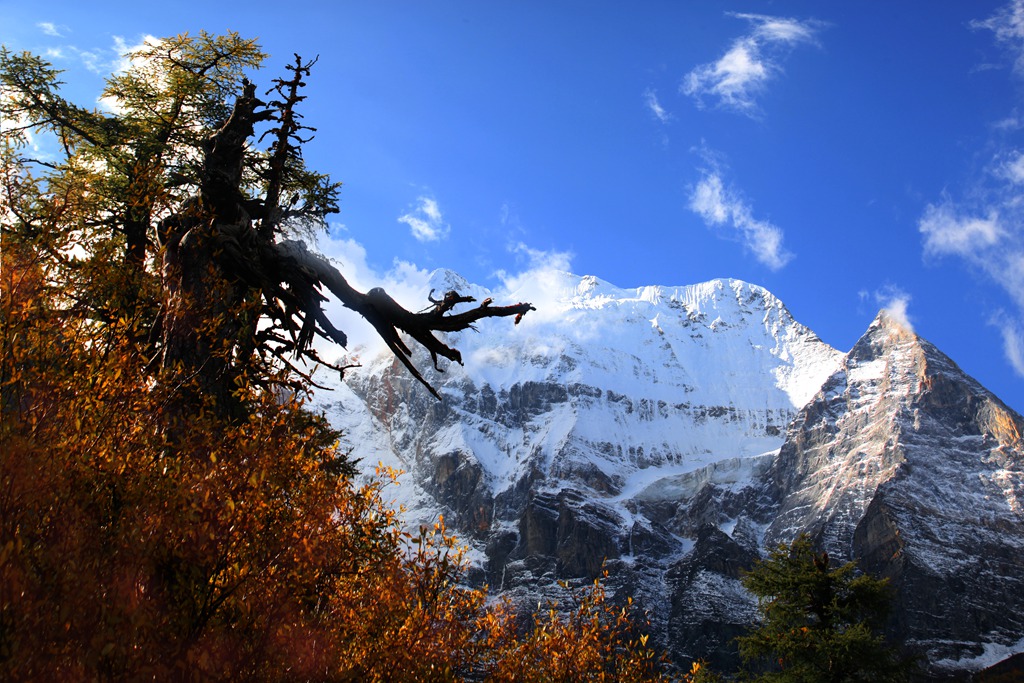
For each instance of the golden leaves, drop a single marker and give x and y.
(146, 532)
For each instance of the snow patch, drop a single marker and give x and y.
(992, 653)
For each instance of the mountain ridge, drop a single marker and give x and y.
(670, 433)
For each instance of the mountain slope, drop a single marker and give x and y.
(606, 391)
(669, 433)
(911, 466)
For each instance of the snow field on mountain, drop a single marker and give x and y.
(654, 377)
(640, 423)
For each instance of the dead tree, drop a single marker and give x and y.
(227, 264)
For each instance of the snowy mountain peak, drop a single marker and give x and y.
(725, 294)
(892, 323)
(883, 334)
(605, 385)
(670, 433)
(907, 463)
(444, 280)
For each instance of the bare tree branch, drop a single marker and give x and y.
(387, 316)
(240, 235)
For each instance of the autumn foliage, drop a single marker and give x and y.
(248, 553)
(160, 521)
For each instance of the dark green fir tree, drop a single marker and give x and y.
(819, 623)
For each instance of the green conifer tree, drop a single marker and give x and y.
(819, 623)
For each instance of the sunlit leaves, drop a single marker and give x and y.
(243, 552)
(593, 639)
(167, 512)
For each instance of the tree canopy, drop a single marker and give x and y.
(171, 190)
(169, 510)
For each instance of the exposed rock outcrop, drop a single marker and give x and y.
(670, 434)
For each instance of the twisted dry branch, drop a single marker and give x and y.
(385, 314)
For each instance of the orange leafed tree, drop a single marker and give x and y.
(168, 508)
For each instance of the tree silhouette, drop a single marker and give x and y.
(207, 223)
(167, 511)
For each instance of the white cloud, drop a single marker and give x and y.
(539, 259)
(543, 280)
(425, 221)
(654, 106)
(987, 233)
(721, 206)
(116, 59)
(1013, 340)
(52, 29)
(740, 75)
(735, 79)
(540, 278)
(894, 302)
(40, 145)
(986, 228)
(1013, 168)
(94, 61)
(1008, 26)
(127, 57)
(403, 281)
(709, 201)
(947, 232)
(1010, 123)
(782, 30)
(988, 236)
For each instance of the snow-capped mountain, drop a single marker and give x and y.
(669, 433)
(906, 463)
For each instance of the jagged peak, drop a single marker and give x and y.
(885, 333)
(444, 279)
(928, 377)
(893, 324)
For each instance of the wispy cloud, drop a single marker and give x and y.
(894, 303)
(947, 231)
(540, 259)
(984, 228)
(722, 206)
(542, 278)
(539, 277)
(51, 29)
(125, 57)
(737, 78)
(654, 106)
(1010, 123)
(1013, 168)
(986, 231)
(103, 61)
(1007, 24)
(1010, 329)
(403, 281)
(425, 221)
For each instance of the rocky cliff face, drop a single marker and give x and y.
(907, 464)
(668, 434)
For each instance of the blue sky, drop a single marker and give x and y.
(848, 156)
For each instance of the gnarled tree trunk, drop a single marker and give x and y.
(222, 269)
